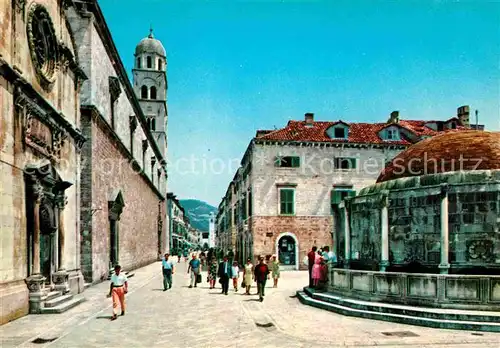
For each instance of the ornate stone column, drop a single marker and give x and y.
(36, 281)
(61, 277)
(444, 265)
(384, 231)
(347, 233)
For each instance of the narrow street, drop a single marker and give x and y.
(199, 317)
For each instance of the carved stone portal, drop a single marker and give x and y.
(45, 226)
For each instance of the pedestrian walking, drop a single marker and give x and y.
(194, 268)
(248, 276)
(212, 273)
(168, 271)
(311, 256)
(235, 270)
(261, 273)
(117, 290)
(275, 269)
(225, 272)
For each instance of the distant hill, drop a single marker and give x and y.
(198, 212)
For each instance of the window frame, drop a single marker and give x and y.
(338, 160)
(144, 88)
(294, 161)
(335, 129)
(153, 93)
(392, 134)
(149, 62)
(280, 203)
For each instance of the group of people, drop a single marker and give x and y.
(317, 261)
(225, 271)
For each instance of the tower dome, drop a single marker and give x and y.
(448, 152)
(150, 45)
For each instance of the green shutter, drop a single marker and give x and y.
(352, 193)
(286, 201)
(336, 197)
(282, 202)
(352, 165)
(295, 162)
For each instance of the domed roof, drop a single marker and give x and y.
(448, 152)
(150, 45)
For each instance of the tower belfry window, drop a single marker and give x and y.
(149, 62)
(153, 124)
(160, 64)
(144, 92)
(152, 92)
(139, 63)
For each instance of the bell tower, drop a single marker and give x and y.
(150, 86)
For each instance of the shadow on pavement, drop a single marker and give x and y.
(253, 299)
(104, 317)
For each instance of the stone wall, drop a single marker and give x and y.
(59, 98)
(307, 230)
(315, 178)
(138, 225)
(480, 292)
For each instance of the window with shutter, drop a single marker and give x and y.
(287, 204)
(287, 162)
(345, 163)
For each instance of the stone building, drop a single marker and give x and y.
(40, 142)
(183, 236)
(123, 168)
(285, 196)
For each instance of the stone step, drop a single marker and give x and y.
(399, 318)
(87, 285)
(432, 313)
(51, 295)
(63, 307)
(57, 301)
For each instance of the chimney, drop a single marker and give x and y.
(309, 118)
(394, 118)
(463, 115)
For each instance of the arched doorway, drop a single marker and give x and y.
(287, 251)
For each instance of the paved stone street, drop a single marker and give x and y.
(184, 317)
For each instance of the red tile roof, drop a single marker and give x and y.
(358, 132)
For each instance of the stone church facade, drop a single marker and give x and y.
(124, 180)
(40, 153)
(83, 174)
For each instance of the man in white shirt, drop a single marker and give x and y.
(117, 289)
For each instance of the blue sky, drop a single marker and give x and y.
(238, 66)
